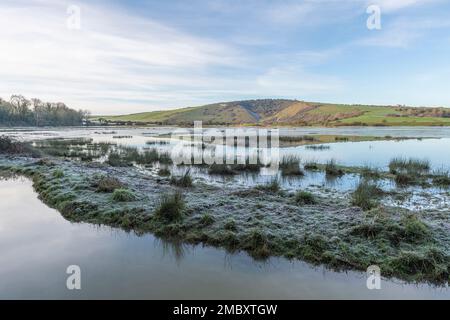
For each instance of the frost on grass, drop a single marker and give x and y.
(264, 221)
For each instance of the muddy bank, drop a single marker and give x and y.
(261, 221)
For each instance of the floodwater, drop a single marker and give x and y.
(37, 245)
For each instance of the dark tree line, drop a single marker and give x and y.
(19, 111)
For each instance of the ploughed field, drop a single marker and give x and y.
(392, 213)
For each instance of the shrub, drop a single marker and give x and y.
(170, 207)
(123, 195)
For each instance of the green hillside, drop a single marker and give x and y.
(270, 112)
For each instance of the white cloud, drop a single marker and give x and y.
(113, 55)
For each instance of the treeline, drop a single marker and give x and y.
(19, 111)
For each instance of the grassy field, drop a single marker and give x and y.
(290, 112)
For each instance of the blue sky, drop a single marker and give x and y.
(133, 56)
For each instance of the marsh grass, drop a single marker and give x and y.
(410, 166)
(304, 198)
(58, 174)
(290, 166)
(319, 147)
(441, 178)
(170, 207)
(332, 169)
(207, 220)
(185, 181)
(106, 184)
(220, 169)
(272, 186)
(366, 195)
(257, 244)
(164, 172)
(311, 166)
(123, 195)
(11, 146)
(368, 172)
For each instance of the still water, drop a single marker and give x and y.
(37, 245)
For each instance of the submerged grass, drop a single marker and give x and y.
(332, 169)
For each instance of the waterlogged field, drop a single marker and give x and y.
(340, 199)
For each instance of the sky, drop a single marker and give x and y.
(117, 57)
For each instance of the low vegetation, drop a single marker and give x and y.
(290, 166)
(332, 169)
(170, 207)
(305, 198)
(272, 186)
(366, 195)
(185, 181)
(106, 184)
(123, 195)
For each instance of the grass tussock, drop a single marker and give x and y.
(170, 207)
(332, 169)
(257, 244)
(106, 184)
(366, 195)
(221, 169)
(410, 166)
(441, 178)
(123, 195)
(290, 166)
(272, 186)
(304, 198)
(58, 174)
(164, 172)
(311, 166)
(185, 181)
(368, 172)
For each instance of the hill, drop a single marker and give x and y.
(269, 112)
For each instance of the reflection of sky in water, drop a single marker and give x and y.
(37, 245)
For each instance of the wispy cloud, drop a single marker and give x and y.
(112, 54)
